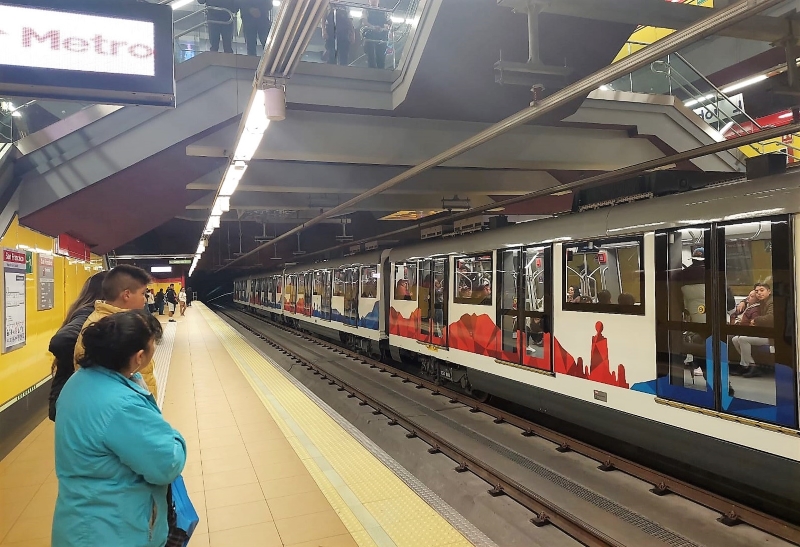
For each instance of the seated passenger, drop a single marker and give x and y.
(626, 299)
(465, 291)
(604, 297)
(586, 300)
(484, 295)
(401, 292)
(746, 310)
(763, 318)
(115, 454)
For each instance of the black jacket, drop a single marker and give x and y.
(171, 296)
(62, 345)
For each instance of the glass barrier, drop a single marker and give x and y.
(722, 109)
(360, 35)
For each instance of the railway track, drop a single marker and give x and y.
(546, 512)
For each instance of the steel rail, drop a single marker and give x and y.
(731, 512)
(546, 511)
(718, 20)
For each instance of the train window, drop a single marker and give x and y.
(604, 276)
(351, 296)
(369, 282)
(473, 280)
(319, 286)
(338, 282)
(405, 281)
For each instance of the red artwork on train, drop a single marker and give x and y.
(599, 369)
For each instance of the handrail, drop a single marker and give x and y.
(230, 21)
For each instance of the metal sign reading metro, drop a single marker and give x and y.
(103, 52)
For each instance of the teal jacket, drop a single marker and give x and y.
(115, 458)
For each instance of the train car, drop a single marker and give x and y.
(338, 298)
(626, 326)
(621, 325)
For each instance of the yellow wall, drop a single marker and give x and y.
(648, 35)
(158, 286)
(25, 367)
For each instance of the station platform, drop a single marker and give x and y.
(269, 464)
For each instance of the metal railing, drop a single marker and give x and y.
(677, 77)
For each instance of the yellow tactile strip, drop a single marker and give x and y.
(380, 508)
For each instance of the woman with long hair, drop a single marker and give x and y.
(115, 454)
(62, 345)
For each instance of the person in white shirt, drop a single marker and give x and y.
(182, 300)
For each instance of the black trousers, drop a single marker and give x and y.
(338, 51)
(255, 30)
(220, 30)
(376, 54)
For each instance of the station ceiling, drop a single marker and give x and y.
(326, 152)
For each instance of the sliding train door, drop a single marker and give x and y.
(432, 295)
(725, 319)
(524, 306)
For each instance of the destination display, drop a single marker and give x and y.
(89, 51)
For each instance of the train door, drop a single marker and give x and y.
(308, 281)
(432, 301)
(725, 319)
(351, 291)
(325, 304)
(524, 306)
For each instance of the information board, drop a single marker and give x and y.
(47, 283)
(113, 52)
(14, 299)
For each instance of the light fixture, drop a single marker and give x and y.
(178, 4)
(214, 221)
(276, 3)
(200, 248)
(726, 127)
(209, 229)
(745, 83)
(356, 13)
(221, 205)
(160, 269)
(232, 177)
(784, 116)
(699, 100)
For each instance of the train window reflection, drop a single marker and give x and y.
(473, 280)
(369, 282)
(405, 282)
(604, 276)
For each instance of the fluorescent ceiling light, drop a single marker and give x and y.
(699, 100)
(16, 114)
(213, 221)
(784, 116)
(248, 144)
(232, 177)
(221, 205)
(356, 13)
(397, 20)
(161, 269)
(745, 83)
(276, 3)
(178, 4)
(209, 229)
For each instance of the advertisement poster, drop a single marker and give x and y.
(47, 282)
(14, 301)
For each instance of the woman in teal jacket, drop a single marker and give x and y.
(115, 453)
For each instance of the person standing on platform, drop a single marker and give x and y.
(376, 35)
(151, 301)
(159, 298)
(220, 24)
(188, 297)
(172, 301)
(115, 454)
(182, 301)
(256, 22)
(62, 344)
(123, 289)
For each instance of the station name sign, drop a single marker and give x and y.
(89, 51)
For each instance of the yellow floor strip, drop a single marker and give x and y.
(331, 455)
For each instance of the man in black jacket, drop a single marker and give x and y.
(256, 21)
(172, 301)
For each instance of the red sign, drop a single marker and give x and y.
(601, 257)
(13, 257)
(73, 248)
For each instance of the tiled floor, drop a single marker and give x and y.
(298, 481)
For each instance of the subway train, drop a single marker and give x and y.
(662, 329)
